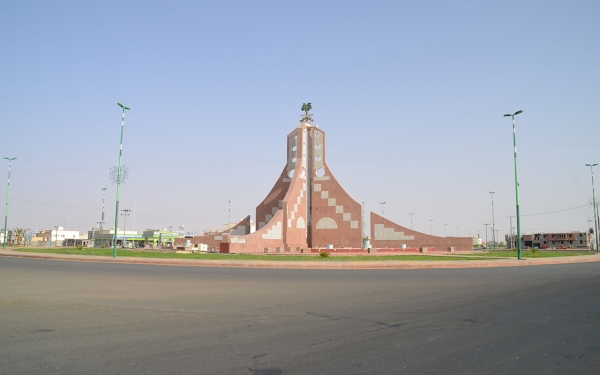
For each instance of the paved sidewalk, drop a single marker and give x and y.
(314, 264)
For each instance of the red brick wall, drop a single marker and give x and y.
(419, 239)
(331, 205)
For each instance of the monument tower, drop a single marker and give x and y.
(308, 208)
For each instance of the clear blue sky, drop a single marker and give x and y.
(411, 95)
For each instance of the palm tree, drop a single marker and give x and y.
(19, 234)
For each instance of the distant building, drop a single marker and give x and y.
(58, 236)
(106, 237)
(547, 240)
(160, 238)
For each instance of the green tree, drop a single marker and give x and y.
(19, 235)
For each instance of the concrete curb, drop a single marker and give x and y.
(325, 264)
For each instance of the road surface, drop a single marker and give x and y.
(60, 317)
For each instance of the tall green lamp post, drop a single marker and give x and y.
(516, 183)
(6, 210)
(493, 233)
(595, 213)
(119, 180)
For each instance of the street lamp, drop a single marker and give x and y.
(493, 227)
(125, 213)
(382, 203)
(516, 183)
(102, 222)
(68, 228)
(594, 198)
(7, 190)
(431, 227)
(411, 215)
(445, 233)
(119, 180)
(133, 229)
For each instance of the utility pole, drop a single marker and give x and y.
(68, 227)
(56, 238)
(229, 217)
(595, 208)
(125, 213)
(493, 226)
(133, 229)
(510, 232)
(10, 160)
(445, 233)
(431, 227)
(119, 179)
(516, 182)
(382, 203)
(590, 244)
(102, 222)
(411, 215)
(486, 232)
(363, 221)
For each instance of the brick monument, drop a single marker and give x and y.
(308, 208)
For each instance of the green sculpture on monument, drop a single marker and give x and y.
(306, 107)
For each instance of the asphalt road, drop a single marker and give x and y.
(61, 317)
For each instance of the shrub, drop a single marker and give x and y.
(79, 247)
(323, 254)
(533, 250)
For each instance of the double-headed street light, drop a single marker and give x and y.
(6, 210)
(595, 213)
(382, 203)
(516, 182)
(119, 180)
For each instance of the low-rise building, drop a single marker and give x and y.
(106, 237)
(557, 240)
(58, 236)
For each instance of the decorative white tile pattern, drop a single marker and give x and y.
(338, 209)
(389, 234)
(274, 233)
